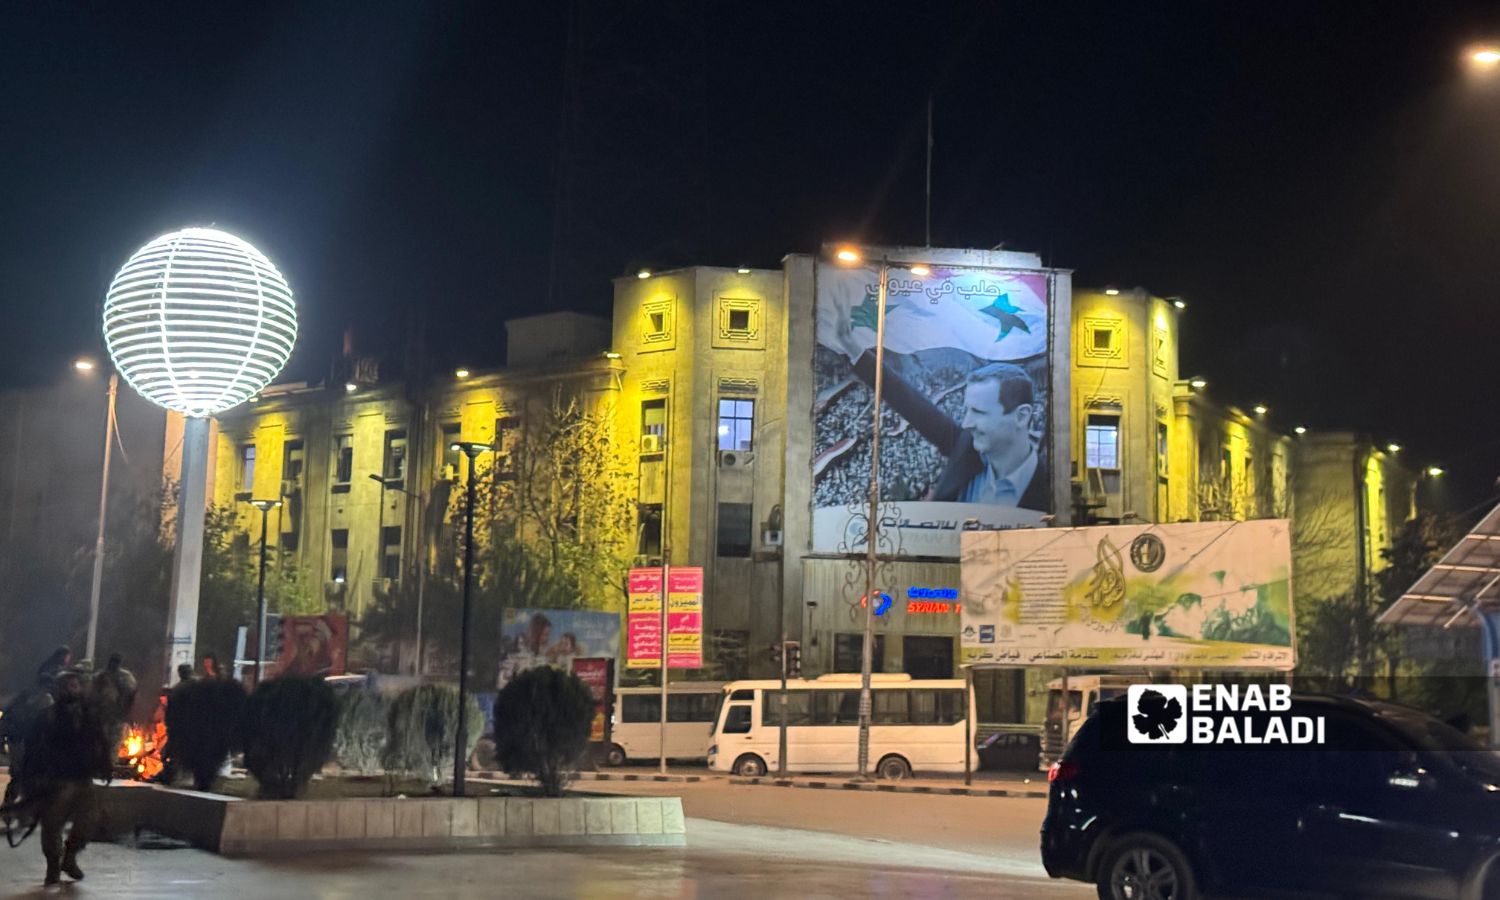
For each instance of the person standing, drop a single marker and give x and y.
(115, 689)
(69, 748)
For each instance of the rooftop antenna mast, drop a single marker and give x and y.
(929, 172)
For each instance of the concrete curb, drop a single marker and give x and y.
(625, 776)
(896, 788)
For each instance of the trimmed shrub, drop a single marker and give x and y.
(204, 719)
(360, 737)
(421, 727)
(542, 720)
(289, 727)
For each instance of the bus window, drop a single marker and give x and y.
(889, 708)
(924, 707)
(743, 694)
(1054, 704)
(737, 721)
(950, 707)
(798, 708)
(641, 708)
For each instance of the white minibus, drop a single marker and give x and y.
(635, 730)
(916, 725)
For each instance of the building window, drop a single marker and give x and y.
(339, 558)
(247, 467)
(739, 320)
(927, 656)
(390, 552)
(343, 461)
(653, 426)
(848, 649)
(1163, 450)
(1102, 442)
(658, 322)
(735, 526)
(731, 653)
(736, 424)
(648, 530)
(394, 469)
(1226, 466)
(507, 437)
(1104, 339)
(293, 458)
(450, 456)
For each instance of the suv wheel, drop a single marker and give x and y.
(1144, 866)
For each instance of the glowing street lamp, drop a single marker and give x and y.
(96, 582)
(1393, 448)
(1261, 409)
(1485, 56)
(197, 321)
(1434, 471)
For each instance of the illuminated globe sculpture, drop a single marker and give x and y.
(199, 321)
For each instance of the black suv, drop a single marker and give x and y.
(1395, 803)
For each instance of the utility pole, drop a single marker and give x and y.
(872, 531)
(265, 507)
(97, 583)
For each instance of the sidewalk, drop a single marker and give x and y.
(1015, 786)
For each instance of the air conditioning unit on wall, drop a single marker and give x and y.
(735, 459)
(650, 443)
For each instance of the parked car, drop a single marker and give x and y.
(1395, 803)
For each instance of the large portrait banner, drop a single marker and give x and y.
(964, 396)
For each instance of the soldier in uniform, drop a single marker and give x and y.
(68, 748)
(114, 689)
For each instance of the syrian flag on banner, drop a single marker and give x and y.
(990, 314)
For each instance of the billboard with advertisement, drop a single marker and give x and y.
(596, 674)
(965, 388)
(554, 637)
(1184, 594)
(684, 618)
(313, 645)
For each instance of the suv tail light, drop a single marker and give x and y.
(1062, 771)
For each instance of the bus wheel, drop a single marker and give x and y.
(614, 756)
(750, 766)
(893, 768)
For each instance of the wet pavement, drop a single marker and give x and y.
(741, 861)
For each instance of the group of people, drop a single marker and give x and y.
(62, 734)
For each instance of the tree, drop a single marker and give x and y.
(359, 739)
(204, 719)
(289, 729)
(553, 529)
(421, 728)
(542, 719)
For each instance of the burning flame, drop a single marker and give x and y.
(142, 754)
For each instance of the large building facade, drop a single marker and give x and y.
(719, 381)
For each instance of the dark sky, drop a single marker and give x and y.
(1321, 181)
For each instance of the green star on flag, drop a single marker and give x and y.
(866, 314)
(1004, 313)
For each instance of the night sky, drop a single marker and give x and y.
(1320, 181)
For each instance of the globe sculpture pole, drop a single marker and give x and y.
(197, 322)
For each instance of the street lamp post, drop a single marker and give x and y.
(872, 528)
(97, 582)
(472, 450)
(380, 529)
(265, 507)
(421, 560)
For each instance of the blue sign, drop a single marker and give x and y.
(986, 634)
(926, 593)
(882, 606)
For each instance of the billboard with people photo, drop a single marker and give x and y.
(965, 389)
(554, 637)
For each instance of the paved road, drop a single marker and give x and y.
(744, 841)
(1000, 829)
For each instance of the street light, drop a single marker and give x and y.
(850, 256)
(1261, 409)
(471, 449)
(1485, 56)
(1393, 448)
(265, 507)
(97, 583)
(1434, 471)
